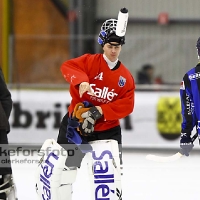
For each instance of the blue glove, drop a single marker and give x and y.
(186, 144)
(74, 137)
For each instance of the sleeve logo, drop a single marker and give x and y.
(182, 86)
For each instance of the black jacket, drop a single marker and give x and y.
(5, 103)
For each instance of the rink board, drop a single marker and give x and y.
(36, 116)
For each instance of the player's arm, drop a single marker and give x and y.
(75, 70)
(120, 108)
(187, 107)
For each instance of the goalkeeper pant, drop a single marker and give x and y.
(75, 156)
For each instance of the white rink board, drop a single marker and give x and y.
(35, 114)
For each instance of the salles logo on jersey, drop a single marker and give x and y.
(103, 93)
(194, 76)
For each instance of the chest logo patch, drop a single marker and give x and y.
(122, 81)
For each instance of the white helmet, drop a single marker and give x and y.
(108, 33)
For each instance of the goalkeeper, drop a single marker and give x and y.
(102, 91)
(190, 99)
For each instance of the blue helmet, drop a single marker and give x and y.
(108, 33)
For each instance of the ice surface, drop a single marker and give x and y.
(142, 179)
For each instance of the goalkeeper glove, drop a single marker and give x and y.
(86, 114)
(90, 118)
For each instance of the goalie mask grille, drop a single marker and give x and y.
(109, 26)
(107, 33)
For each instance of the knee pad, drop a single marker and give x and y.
(7, 188)
(53, 178)
(104, 170)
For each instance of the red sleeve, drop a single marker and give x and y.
(121, 107)
(75, 71)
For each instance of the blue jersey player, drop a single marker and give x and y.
(190, 105)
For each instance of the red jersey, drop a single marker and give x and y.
(114, 88)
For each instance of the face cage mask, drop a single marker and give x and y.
(108, 28)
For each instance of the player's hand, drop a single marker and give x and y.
(85, 87)
(186, 144)
(90, 117)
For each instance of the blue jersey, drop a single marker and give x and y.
(190, 100)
